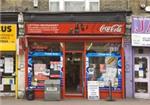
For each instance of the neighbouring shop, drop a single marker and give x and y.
(75, 48)
(8, 33)
(141, 56)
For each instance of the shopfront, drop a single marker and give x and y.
(8, 33)
(141, 58)
(76, 50)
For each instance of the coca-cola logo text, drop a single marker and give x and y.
(117, 28)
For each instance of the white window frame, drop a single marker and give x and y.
(54, 1)
(87, 4)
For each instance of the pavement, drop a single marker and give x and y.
(13, 101)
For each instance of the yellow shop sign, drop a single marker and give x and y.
(8, 33)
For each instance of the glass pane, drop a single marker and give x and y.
(141, 87)
(94, 6)
(74, 67)
(140, 67)
(104, 64)
(74, 6)
(54, 6)
(75, 46)
(45, 46)
(103, 47)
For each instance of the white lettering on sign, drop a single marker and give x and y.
(113, 28)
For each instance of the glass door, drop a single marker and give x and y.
(74, 73)
(74, 69)
(142, 78)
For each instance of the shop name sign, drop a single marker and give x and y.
(8, 34)
(141, 25)
(91, 28)
(141, 31)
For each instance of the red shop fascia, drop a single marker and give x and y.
(76, 31)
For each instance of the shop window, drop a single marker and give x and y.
(74, 46)
(45, 46)
(103, 47)
(44, 62)
(103, 63)
(140, 67)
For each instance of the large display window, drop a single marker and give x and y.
(103, 64)
(44, 62)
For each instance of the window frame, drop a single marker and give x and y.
(62, 4)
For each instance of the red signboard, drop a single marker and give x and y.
(75, 28)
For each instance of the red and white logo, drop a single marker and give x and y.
(116, 28)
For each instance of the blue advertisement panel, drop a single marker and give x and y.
(41, 66)
(104, 67)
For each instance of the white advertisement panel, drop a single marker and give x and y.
(141, 40)
(93, 90)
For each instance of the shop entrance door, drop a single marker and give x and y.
(142, 76)
(74, 73)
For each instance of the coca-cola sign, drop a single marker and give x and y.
(116, 28)
(77, 28)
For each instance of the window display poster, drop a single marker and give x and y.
(7, 81)
(9, 65)
(55, 65)
(39, 72)
(1, 87)
(102, 68)
(136, 67)
(1, 70)
(111, 61)
(1, 62)
(141, 73)
(39, 68)
(93, 90)
(13, 87)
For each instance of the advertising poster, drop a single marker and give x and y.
(1, 87)
(8, 34)
(102, 68)
(39, 72)
(9, 65)
(1, 62)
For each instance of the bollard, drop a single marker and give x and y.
(110, 92)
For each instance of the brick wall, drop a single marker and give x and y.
(27, 5)
(23, 5)
(114, 5)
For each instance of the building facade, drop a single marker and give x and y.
(139, 8)
(8, 57)
(89, 48)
